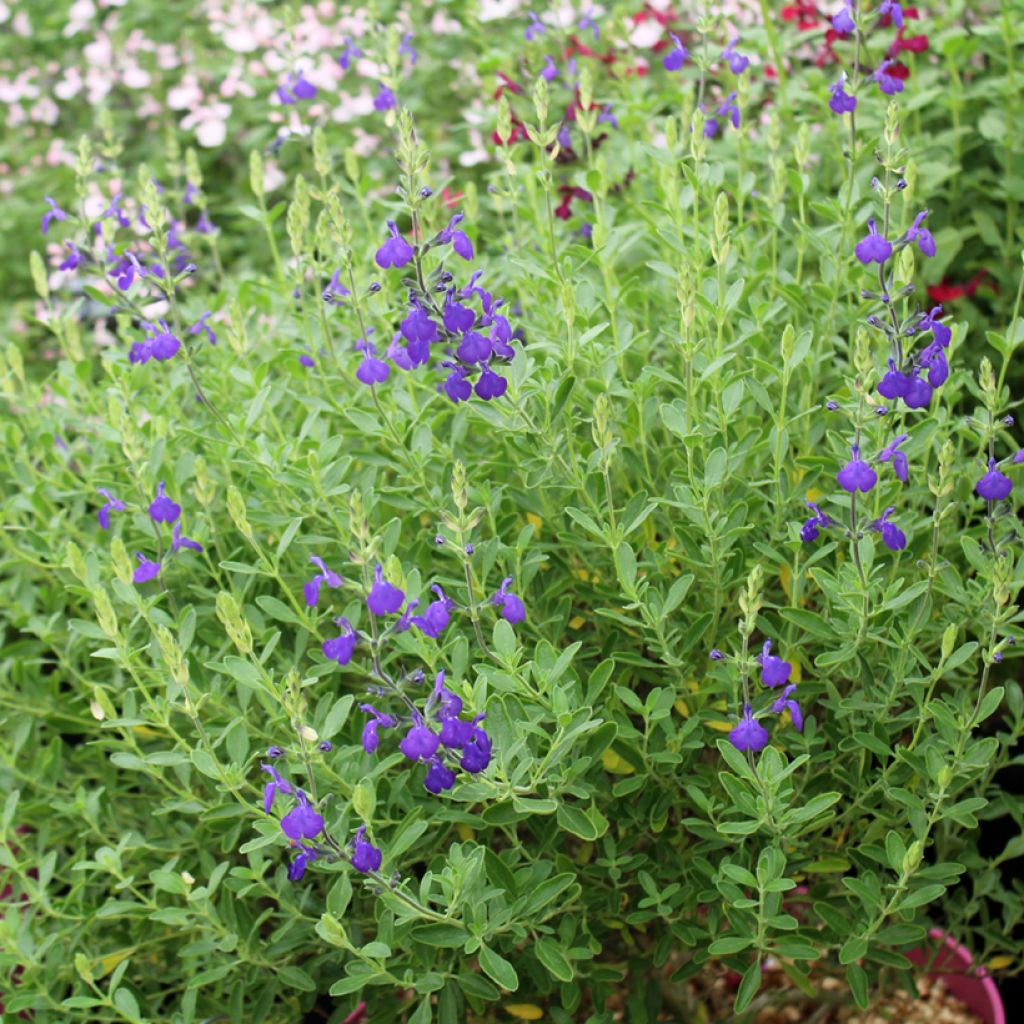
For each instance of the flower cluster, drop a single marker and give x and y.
(442, 327)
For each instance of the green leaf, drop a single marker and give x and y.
(854, 948)
(749, 984)
(857, 979)
(552, 956)
(295, 977)
(729, 945)
(498, 968)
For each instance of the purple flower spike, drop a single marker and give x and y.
(179, 541)
(873, 247)
(146, 571)
(396, 251)
(340, 648)
(302, 821)
(750, 734)
(439, 777)
(892, 536)
(365, 856)
(785, 702)
(420, 743)
(384, 597)
(677, 56)
(994, 486)
(923, 237)
(736, 61)
(856, 475)
(54, 213)
(774, 671)
(112, 505)
(512, 608)
(163, 509)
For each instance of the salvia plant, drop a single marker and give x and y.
(514, 517)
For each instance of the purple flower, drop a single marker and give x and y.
(476, 754)
(605, 117)
(889, 84)
(371, 737)
(923, 237)
(455, 385)
(325, 746)
(384, 597)
(841, 102)
(190, 193)
(162, 509)
(306, 856)
(365, 856)
(785, 702)
(892, 536)
(74, 259)
(276, 785)
(716, 655)
(419, 330)
(372, 370)
(994, 486)
(843, 22)
(179, 541)
(587, 22)
(439, 776)
(54, 213)
(459, 240)
(434, 620)
(899, 460)
(677, 56)
(146, 571)
(893, 9)
(115, 210)
(550, 69)
(894, 384)
(535, 28)
(201, 326)
(302, 821)
(774, 671)
(295, 89)
(737, 62)
(112, 505)
(406, 49)
(305, 359)
(396, 251)
(856, 475)
(490, 385)
(385, 98)
(811, 529)
(919, 394)
(929, 322)
(474, 348)
(325, 575)
(420, 743)
(275, 751)
(455, 733)
(340, 648)
(938, 367)
(749, 734)
(457, 318)
(873, 247)
(349, 53)
(204, 225)
(512, 608)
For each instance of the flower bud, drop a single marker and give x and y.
(236, 509)
(105, 614)
(74, 560)
(460, 486)
(36, 266)
(364, 800)
(321, 153)
(173, 656)
(231, 619)
(256, 180)
(123, 567)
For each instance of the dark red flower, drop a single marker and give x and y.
(507, 83)
(915, 44)
(804, 14)
(946, 290)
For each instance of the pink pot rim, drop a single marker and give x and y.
(980, 982)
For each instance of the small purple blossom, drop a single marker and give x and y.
(371, 735)
(811, 529)
(276, 785)
(396, 251)
(340, 648)
(787, 703)
(202, 326)
(420, 743)
(384, 597)
(302, 821)
(434, 620)
(892, 536)
(750, 734)
(163, 509)
(406, 49)
(372, 370)
(112, 505)
(459, 240)
(892, 453)
(889, 84)
(736, 61)
(550, 69)
(774, 671)
(349, 53)
(856, 475)
(54, 213)
(677, 56)
(179, 541)
(841, 102)
(476, 755)
(843, 21)
(365, 856)
(439, 777)
(490, 385)
(716, 654)
(894, 384)
(923, 237)
(994, 486)
(919, 394)
(297, 868)
(535, 28)
(512, 608)
(385, 98)
(74, 259)
(325, 575)
(893, 9)
(295, 89)
(873, 247)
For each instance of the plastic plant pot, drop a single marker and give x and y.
(954, 965)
